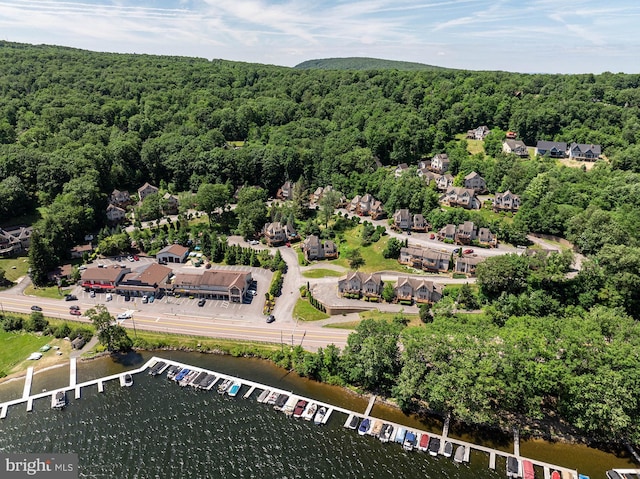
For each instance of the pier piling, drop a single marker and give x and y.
(73, 370)
(492, 460)
(30, 404)
(78, 392)
(26, 392)
(516, 442)
(372, 401)
(100, 387)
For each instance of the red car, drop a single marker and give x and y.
(468, 251)
(75, 312)
(136, 258)
(432, 236)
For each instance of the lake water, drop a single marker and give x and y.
(156, 429)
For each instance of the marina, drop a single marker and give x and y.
(303, 406)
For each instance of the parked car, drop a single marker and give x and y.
(254, 242)
(74, 307)
(136, 257)
(92, 294)
(127, 298)
(456, 250)
(70, 297)
(432, 236)
(201, 302)
(75, 312)
(36, 308)
(108, 297)
(468, 251)
(145, 299)
(271, 318)
(152, 298)
(130, 258)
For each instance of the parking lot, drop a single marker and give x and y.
(250, 309)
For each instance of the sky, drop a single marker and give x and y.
(546, 36)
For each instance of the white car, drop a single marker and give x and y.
(254, 242)
(123, 316)
(108, 297)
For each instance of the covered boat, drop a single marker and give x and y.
(376, 427)
(555, 475)
(319, 419)
(234, 389)
(181, 374)
(423, 444)
(387, 433)
(459, 455)
(59, 400)
(354, 422)
(172, 371)
(582, 476)
(613, 474)
(263, 396)
(299, 409)
(527, 470)
(128, 380)
(364, 426)
(224, 385)
(289, 406)
(308, 413)
(447, 450)
(402, 432)
(512, 467)
(280, 402)
(409, 441)
(434, 446)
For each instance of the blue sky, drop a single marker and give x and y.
(554, 36)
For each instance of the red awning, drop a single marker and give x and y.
(97, 286)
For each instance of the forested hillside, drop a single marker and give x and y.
(363, 63)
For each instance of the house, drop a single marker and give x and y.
(78, 251)
(440, 163)
(365, 284)
(364, 207)
(146, 190)
(418, 223)
(402, 219)
(515, 147)
(417, 289)
(64, 271)
(511, 135)
(467, 265)
(506, 201)
(377, 210)
(401, 168)
(444, 182)
(583, 152)
(554, 149)
(151, 281)
(115, 214)
(487, 238)
(212, 284)
(354, 204)
(286, 191)
(278, 234)
(424, 164)
(425, 259)
(465, 197)
(171, 204)
(447, 232)
(475, 182)
(174, 253)
(428, 175)
(466, 233)
(102, 279)
(15, 240)
(119, 198)
(78, 343)
(314, 249)
(478, 133)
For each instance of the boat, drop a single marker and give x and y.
(207, 382)
(280, 402)
(459, 455)
(196, 383)
(181, 374)
(364, 426)
(387, 433)
(354, 422)
(234, 389)
(434, 446)
(582, 476)
(172, 371)
(512, 467)
(400, 434)
(59, 400)
(128, 380)
(613, 474)
(423, 443)
(263, 396)
(156, 368)
(272, 398)
(299, 409)
(555, 475)
(409, 441)
(319, 419)
(308, 413)
(289, 406)
(188, 378)
(447, 450)
(527, 470)
(568, 475)
(224, 385)
(376, 427)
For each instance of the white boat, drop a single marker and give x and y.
(447, 451)
(272, 398)
(188, 378)
(387, 433)
(320, 415)
(224, 386)
(459, 456)
(234, 389)
(310, 411)
(376, 427)
(289, 406)
(128, 380)
(59, 400)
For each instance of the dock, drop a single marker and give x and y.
(493, 454)
(516, 442)
(73, 372)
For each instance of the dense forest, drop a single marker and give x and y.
(363, 63)
(75, 124)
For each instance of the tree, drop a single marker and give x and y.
(36, 322)
(424, 310)
(355, 259)
(392, 250)
(328, 204)
(110, 334)
(388, 292)
(251, 211)
(507, 273)
(466, 298)
(211, 198)
(42, 258)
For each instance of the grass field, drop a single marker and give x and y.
(47, 292)
(322, 273)
(17, 346)
(159, 340)
(306, 312)
(347, 325)
(414, 319)
(14, 268)
(475, 146)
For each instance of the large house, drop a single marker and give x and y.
(466, 233)
(554, 149)
(425, 259)
(515, 147)
(479, 133)
(444, 182)
(212, 284)
(440, 163)
(119, 198)
(174, 253)
(146, 190)
(314, 249)
(447, 232)
(151, 281)
(278, 234)
(475, 182)
(404, 220)
(171, 204)
(465, 197)
(286, 191)
(467, 265)
(583, 152)
(487, 238)
(400, 169)
(361, 284)
(102, 279)
(15, 240)
(366, 205)
(506, 201)
(115, 214)
(417, 289)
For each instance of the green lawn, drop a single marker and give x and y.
(21, 264)
(304, 311)
(322, 273)
(17, 346)
(47, 292)
(346, 325)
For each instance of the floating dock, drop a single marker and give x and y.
(160, 365)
